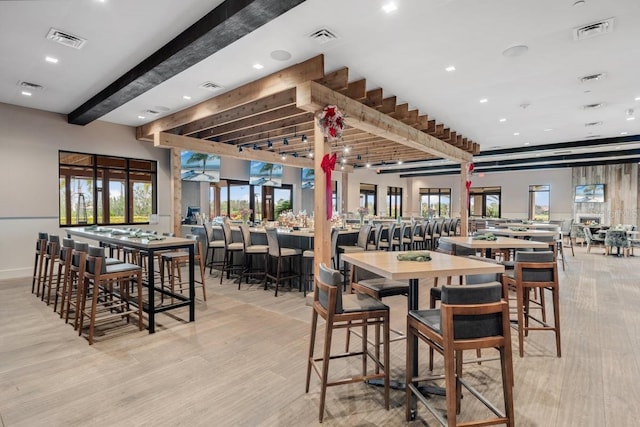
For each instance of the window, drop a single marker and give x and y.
(485, 202)
(539, 202)
(266, 202)
(394, 202)
(435, 202)
(96, 189)
(368, 197)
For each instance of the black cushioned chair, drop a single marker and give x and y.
(470, 317)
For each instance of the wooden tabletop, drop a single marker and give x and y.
(525, 233)
(125, 240)
(386, 264)
(535, 225)
(500, 243)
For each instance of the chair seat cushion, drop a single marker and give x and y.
(361, 302)
(257, 249)
(176, 254)
(385, 287)
(350, 249)
(112, 261)
(235, 246)
(429, 318)
(216, 244)
(290, 252)
(122, 267)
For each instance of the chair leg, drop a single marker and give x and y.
(325, 367)
(520, 311)
(450, 384)
(312, 343)
(556, 318)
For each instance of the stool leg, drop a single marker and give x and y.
(326, 354)
(312, 342)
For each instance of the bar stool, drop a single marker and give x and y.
(213, 244)
(175, 260)
(230, 248)
(251, 251)
(112, 283)
(74, 284)
(38, 264)
(280, 254)
(361, 246)
(64, 273)
(385, 244)
(470, 317)
(307, 261)
(51, 258)
(346, 311)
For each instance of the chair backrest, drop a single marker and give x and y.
(198, 246)
(446, 247)
(565, 227)
(453, 228)
(79, 252)
(391, 231)
(226, 232)
(95, 260)
(587, 234)
(67, 249)
(208, 232)
(377, 235)
(476, 279)
(612, 238)
(363, 236)
(246, 236)
(437, 227)
(329, 288)
(541, 274)
(428, 228)
(471, 326)
(42, 240)
(53, 245)
(272, 241)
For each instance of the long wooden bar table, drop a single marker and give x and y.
(532, 233)
(151, 247)
(386, 264)
(499, 243)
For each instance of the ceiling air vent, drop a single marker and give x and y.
(30, 86)
(593, 106)
(590, 124)
(594, 29)
(210, 86)
(562, 152)
(594, 136)
(65, 39)
(593, 77)
(322, 36)
(152, 112)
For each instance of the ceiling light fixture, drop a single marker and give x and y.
(484, 101)
(548, 130)
(515, 50)
(285, 141)
(628, 118)
(258, 66)
(624, 133)
(399, 161)
(341, 168)
(269, 144)
(141, 117)
(526, 143)
(310, 155)
(25, 93)
(51, 59)
(389, 7)
(637, 98)
(344, 160)
(346, 149)
(516, 134)
(502, 120)
(280, 55)
(240, 149)
(304, 139)
(284, 156)
(450, 68)
(187, 97)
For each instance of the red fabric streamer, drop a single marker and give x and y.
(470, 169)
(328, 164)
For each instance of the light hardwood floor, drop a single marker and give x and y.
(242, 363)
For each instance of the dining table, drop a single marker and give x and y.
(500, 242)
(149, 244)
(386, 264)
(517, 232)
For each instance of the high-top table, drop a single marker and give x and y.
(532, 233)
(386, 264)
(150, 247)
(500, 243)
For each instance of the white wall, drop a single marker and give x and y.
(29, 144)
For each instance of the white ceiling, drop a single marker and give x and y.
(404, 52)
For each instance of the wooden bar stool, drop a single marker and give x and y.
(347, 311)
(74, 285)
(106, 288)
(38, 264)
(64, 273)
(51, 258)
(173, 263)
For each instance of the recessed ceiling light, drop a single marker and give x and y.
(637, 98)
(526, 143)
(502, 120)
(187, 97)
(484, 101)
(548, 130)
(516, 50)
(450, 68)
(618, 147)
(280, 55)
(516, 133)
(25, 93)
(624, 133)
(51, 59)
(389, 7)
(538, 154)
(631, 118)
(258, 66)
(141, 117)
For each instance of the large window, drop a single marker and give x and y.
(435, 202)
(368, 197)
(539, 202)
(96, 189)
(394, 202)
(266, 202)
(485, 202)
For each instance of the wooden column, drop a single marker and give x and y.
(344, 194)
(322, 235)
(464, 218)
(176, 192)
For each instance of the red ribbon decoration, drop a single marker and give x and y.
(328, 164)
(470, 169)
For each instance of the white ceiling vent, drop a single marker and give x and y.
(594, 29)
(30, 86)
(323, 36)
(210, 86)
(66, 39)
(593, 77)
(152, 112)
(591, 124)
(563, 152)
(593, 106)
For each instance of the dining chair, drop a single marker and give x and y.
(534, 270)
(618, 239)
(385, 243)
(346, 311)
(591, 239)
(292, 256)
(469, 318)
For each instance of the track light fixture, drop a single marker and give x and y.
(239, 148)
(285, 141)
(304, 139)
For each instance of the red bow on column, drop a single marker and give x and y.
(328, 164)
(470, 169)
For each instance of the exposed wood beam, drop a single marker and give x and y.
(310, 69)
(227, 23)
(336, 80)
(374, 98)
(356, 90)
(233, 135)
(313, 97)
(169, 140)
(388, 105)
